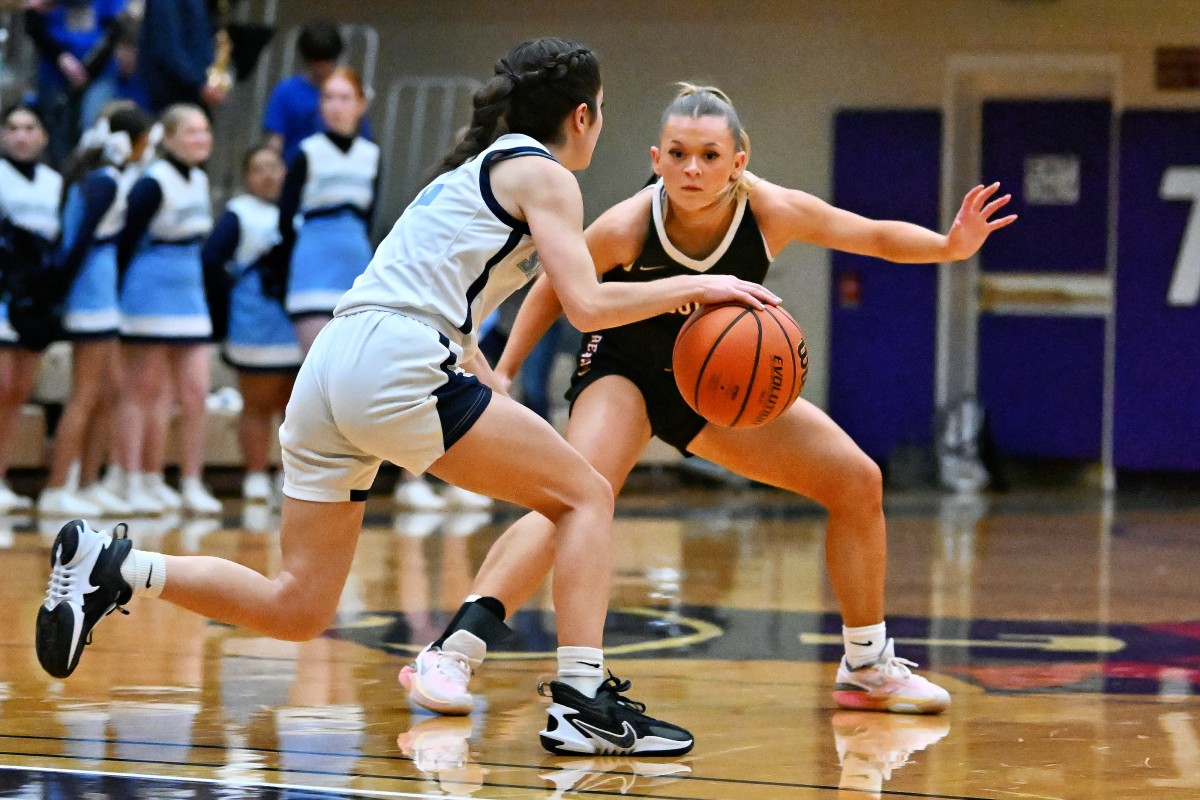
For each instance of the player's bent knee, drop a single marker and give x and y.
(599, 492)
(588, 491)
(856, 486)
(299, 618)
(865, 481)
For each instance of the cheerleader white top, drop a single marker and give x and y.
(93, 215)
(158, 252)
(30, 195)
(260, 335)
(329, 193)
(455, 254)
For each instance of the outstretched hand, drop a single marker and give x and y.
(974, 223)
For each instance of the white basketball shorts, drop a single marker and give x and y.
(376, 386)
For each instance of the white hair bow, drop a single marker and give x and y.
(116, 145)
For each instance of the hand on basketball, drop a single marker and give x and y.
(728, 289)
(974, 223)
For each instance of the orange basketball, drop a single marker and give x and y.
(739, 367)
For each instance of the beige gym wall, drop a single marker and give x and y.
(789, 66)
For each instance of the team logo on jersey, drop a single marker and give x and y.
(686, 309)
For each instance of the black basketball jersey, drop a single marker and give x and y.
(743, 253)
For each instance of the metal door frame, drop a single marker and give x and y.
(971, 80)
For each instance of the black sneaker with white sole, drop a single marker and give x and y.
(607, 725)
(85, 587)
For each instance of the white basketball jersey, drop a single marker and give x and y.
(339, 179)
(258, 225)
(31, 204)
(455, 254)
(186, 212)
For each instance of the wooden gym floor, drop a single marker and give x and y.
(1066, 627)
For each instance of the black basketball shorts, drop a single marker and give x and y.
(671, 419)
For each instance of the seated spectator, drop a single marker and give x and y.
(75, 74)
(293, 112)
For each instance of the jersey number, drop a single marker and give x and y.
(1183, 183)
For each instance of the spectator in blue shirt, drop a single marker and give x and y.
(292, 113)
(128, 82)
(176, 52)
(75, 73)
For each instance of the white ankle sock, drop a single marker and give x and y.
(864, 645)
(581, 668)
(146, 572)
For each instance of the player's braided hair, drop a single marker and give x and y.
(708, 101)
(535, 86)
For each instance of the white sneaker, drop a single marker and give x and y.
(888, 685)
(114, 480)
(171, 500)
(85, 586)
(438, 680)
(62, 502)
(418, 495)
(256, 487)
(11, 501)
(139, 497)
(197, 498)
(106, 501)
(461, 498)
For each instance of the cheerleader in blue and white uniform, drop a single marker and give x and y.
(165, 325)
(332, 183)
(30, 193)
(260, 342)
(93, 215)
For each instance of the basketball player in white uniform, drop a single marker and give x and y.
(385, 380)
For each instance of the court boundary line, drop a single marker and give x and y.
(347, 794)
(371, 776)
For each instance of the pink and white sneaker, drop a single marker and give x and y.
(888, 685)
(439, 678)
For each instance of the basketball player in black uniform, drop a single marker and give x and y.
(706, 215)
